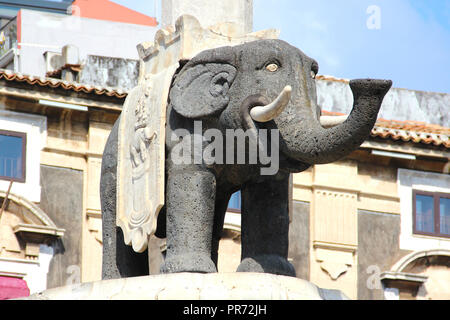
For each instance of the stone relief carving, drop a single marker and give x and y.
(141, 158)
(335, 261)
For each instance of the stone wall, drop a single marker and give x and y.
(378, 246)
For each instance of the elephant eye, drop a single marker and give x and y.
(272, 67)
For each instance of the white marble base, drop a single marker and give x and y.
(194, 286)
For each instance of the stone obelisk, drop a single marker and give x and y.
(210, 12)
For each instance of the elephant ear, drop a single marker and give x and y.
(201, 88)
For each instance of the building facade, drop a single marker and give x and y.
(374, 225)
(361, 225)
(60, 93)
(51, 222)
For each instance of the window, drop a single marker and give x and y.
(431, 213)
(12, 155)
(234, 205)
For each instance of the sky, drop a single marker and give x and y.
(407, 41)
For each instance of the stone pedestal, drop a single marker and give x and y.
(194, 286)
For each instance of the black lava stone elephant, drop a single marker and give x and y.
(264, 84)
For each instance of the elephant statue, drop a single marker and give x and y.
(262, 84)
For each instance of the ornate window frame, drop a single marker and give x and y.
(35, 129)
(407, 182)
(436, 213)
(23, 136)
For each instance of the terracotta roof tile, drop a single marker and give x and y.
(58, 83)
(413, 131)
(331, 78)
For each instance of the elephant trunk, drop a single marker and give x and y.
(312, 143)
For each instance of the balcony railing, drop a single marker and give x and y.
(8, 36)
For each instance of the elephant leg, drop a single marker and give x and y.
(265, 226)
(219, 216)
(119, 260)
(190, 202)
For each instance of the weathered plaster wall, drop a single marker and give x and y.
(378, 250)
(299, 238)
(398, 104)
(62, 200)
(110, 72)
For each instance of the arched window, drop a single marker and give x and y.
(26, 237)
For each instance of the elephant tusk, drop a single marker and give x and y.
(331, 121)
(272, 110)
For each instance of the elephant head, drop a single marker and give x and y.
(271, 84)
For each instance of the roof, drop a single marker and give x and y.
(58, 83)
(331, 78)
(110, 11)
(412, 131)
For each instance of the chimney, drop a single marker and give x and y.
(71, 63)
